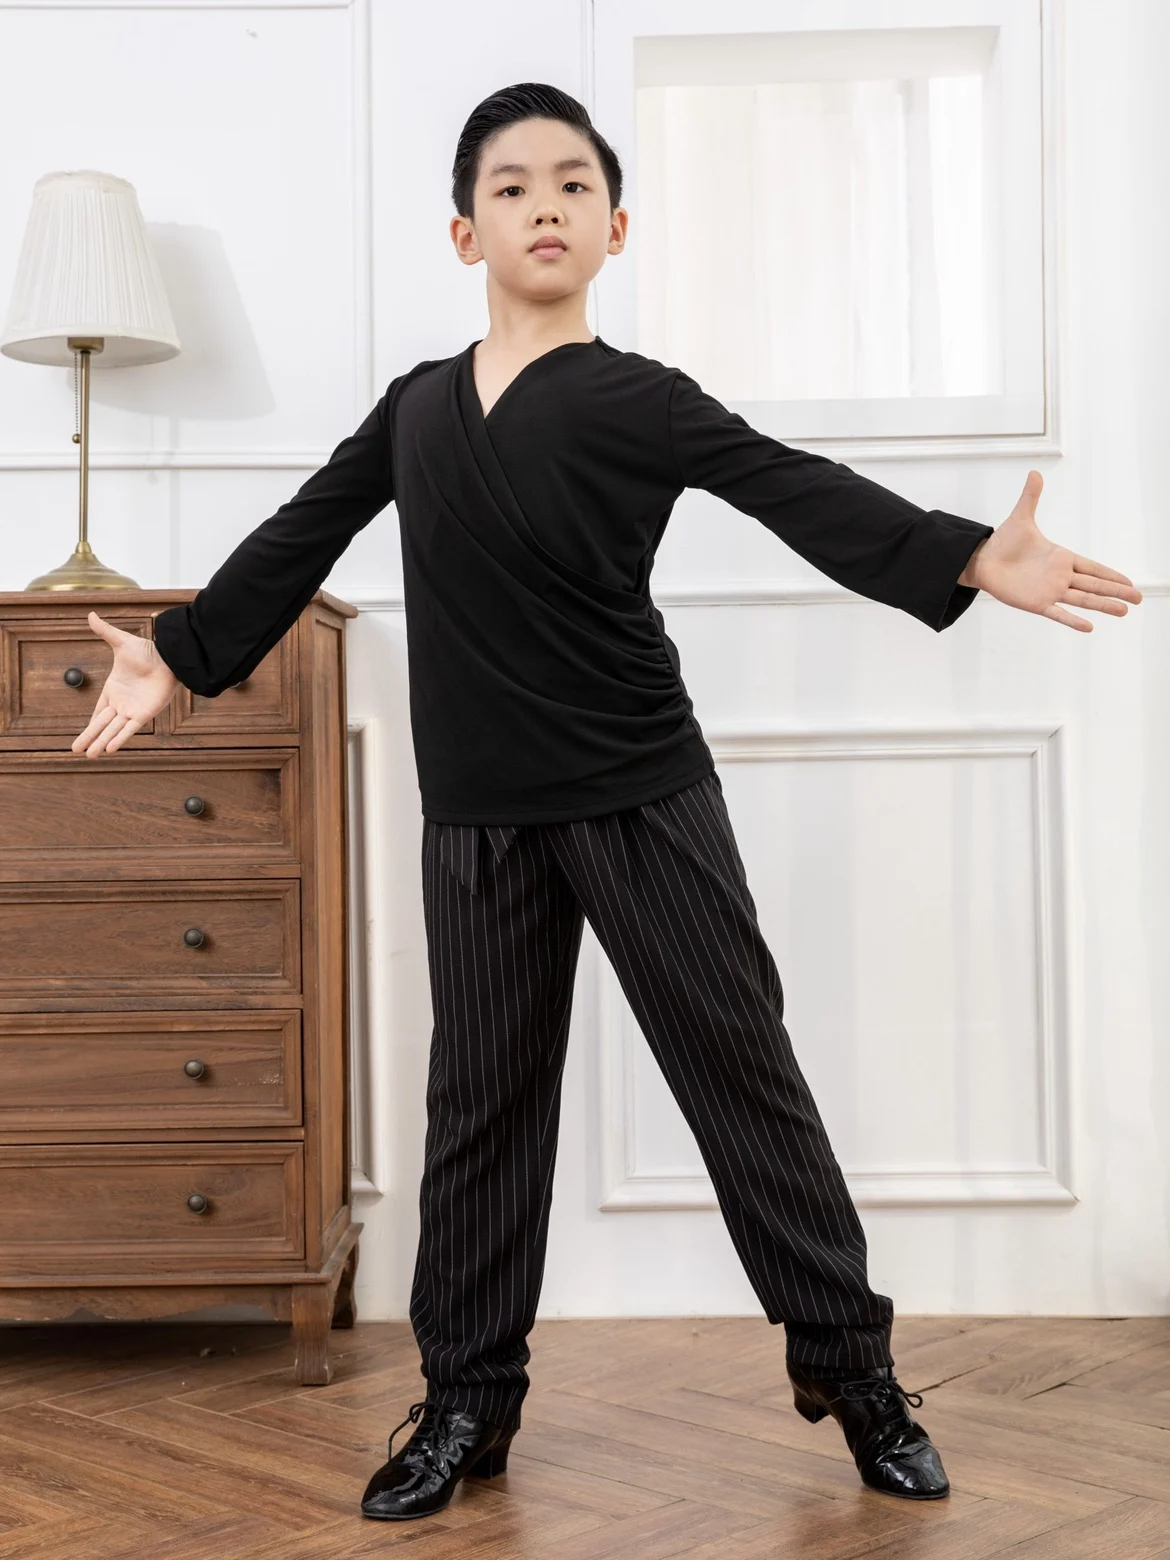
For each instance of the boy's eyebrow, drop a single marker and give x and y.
(558, 167)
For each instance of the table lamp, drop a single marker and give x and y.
(87, 282)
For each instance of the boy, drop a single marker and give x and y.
(563, 777)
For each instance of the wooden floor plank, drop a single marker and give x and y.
(119, 1540)
(767, 1481)
(1136, 1530)
(1145, 1370)
(982, 1529)
(438, 1537)
(46, 1482)
(128, 1389)
(177, 1472)
(984, 1476)
(268, 1453)
(1083, 1351)
(1097, 1404)
(959, 1425)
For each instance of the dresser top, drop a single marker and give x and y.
(135, 598)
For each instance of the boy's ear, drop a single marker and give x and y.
(464, 239)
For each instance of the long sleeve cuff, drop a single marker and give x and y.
(934, 559)
(178, 645)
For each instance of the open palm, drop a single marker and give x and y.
(1021, 567)
(140, 683)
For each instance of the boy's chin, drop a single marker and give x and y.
(543, 289)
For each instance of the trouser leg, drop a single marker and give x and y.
(664, 888)
(502, 960)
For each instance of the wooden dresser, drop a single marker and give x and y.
(173, 983)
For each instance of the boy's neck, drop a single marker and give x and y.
(518, 327)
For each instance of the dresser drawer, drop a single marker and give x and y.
(218, 811)
(124, 1207)
(196, 938)
(64, 1072)
(267, 700)
(52, 670)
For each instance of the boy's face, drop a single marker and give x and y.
(540, 179)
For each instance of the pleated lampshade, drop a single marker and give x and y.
(86, 269)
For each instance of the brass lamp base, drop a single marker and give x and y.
(83, 572)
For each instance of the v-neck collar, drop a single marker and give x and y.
(525, 372)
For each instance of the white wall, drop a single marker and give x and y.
(960, 844)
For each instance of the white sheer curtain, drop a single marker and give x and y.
(815, 239)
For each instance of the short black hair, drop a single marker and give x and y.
(524, 100)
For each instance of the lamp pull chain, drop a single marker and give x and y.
(76, 401)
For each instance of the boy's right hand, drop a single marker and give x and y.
(140, 684)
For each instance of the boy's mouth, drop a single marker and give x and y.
(550, 244)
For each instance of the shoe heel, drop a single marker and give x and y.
(807, 1406)
(493, 1462)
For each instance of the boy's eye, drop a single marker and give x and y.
(509, 187)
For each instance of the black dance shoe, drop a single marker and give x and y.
(893, 1452)
(447, 1446)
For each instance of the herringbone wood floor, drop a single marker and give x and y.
(641, 1439)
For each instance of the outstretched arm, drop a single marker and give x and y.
(1019, 566)
(926, 562)
(251, 600)
(263, 586)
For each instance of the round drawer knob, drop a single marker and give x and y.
(194, 1069)
(197, 1202)
(194, 805)
(193, 937)
(74, 677)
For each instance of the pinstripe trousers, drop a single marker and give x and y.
(664, 888)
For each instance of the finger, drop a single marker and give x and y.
(1087, 598)
(1099, 571)
(1104, 587)
(1033, 487)
(97, 720)
(107, 631)
(102, 715)
(1059, 615)
(101, 742)
(127, 731)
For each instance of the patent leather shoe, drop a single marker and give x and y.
(447, 1446)
(892, 1451)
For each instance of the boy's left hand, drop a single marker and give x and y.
(1019, 566)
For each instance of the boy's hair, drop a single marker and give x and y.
(524, 100)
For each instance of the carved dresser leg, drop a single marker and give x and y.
(345, 1306)
(312, 1311)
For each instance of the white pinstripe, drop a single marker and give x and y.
(664, 888)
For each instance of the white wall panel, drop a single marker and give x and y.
(911, 886)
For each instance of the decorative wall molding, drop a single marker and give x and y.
(730, 593)
(361, 160)
(367, 1145)
(310, 460)
(165, 460)
(177, 5)
(625, 1188)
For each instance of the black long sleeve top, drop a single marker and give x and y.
(542, 683)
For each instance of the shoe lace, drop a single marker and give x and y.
(887, 1389)
(425, 1445)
